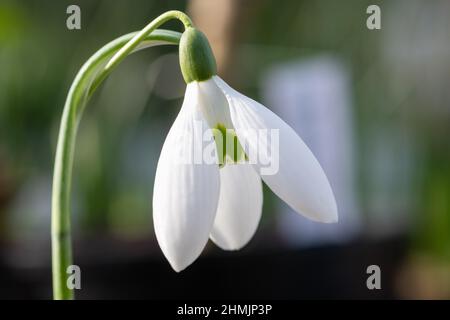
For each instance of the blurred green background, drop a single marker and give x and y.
(400, 105)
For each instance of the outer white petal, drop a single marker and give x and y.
(240, 205)
(185, 194)
(300, 180)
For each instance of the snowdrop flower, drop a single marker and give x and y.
(222, 201)
(218, 197)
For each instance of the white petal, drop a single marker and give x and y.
(240, 205)
(299, 179)
(185, 194)
(214, 105)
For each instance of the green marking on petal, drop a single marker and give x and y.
(229, 150)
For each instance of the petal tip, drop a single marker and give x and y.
(177, 268)
(179, 265)
(332, 219)
(332, 215)
(323, 215)
(228, 246)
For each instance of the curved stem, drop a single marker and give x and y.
(88, 78)
(133, 43)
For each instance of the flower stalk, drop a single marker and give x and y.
(90, 76)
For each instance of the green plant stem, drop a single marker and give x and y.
(90, 76)
(137, 39)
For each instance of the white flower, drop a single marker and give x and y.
(196, 201)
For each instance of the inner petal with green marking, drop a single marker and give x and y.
(229, 150)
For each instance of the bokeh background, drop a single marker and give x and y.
(373, 105)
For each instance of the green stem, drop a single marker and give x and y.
(134, 42)
(90, 76)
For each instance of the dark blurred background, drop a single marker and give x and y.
(373, 105)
